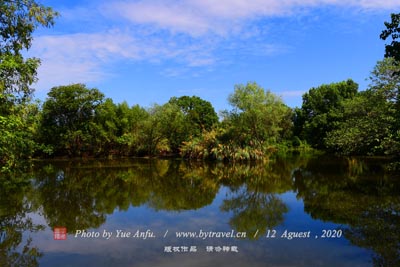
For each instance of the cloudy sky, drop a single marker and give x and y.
(147, 51)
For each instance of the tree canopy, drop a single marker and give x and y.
(18, 20)
(18, 117)
(79, 121)
(258, 114)
(68, 115)
(368, 124)
(199, 113)
(392, 31)
(319, 110)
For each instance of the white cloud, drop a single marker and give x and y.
(79, 57)
(377, 4)
(162, 14)
(191, 34)
(222, 17)
(89, 57)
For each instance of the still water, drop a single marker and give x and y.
(292, 211)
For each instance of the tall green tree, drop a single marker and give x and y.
(258, 122)
(199, 113)
(369, 123)
(165, 129)
(68, 117)
(104, 125)
(392, 31)
(18, 20)
(18, 136)
(258, 115)
(385, 83)
(363, 127)
(318, 111)
(130, 122)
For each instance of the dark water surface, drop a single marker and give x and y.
(341, 211)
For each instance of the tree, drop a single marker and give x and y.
(18, 136)
(104, 125)
(369, 122)
(392, 31)
(258, 116)
(363, 128)
(165, 129)
(68, 117)
(385, 83)
(199, 113)
(130, 123)
(318, 111)
(18, 20)
(259, 120)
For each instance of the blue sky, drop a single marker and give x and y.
(147, 51)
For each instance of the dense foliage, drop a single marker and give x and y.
(368, 124)
(77, 121)
(18, 117)
(392, 31)
(67, 119)
(18, 20)
(320, 111)
(339, 119)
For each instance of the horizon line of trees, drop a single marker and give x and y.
(77, 121)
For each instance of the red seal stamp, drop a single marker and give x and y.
(60, 233)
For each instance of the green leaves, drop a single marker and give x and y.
(393, 31)
(369, 122)
(320, 111)
(16, 77)
(18, 118)
(18, 20)
(258, 115)
(17, 139)
(67, 116)
(249, 97)
(199, 113)
(259, 120)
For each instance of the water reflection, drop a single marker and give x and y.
(361, 197)
(183, 187)
(354, 193)
(80, 195)
(254, 212)
(15, 250)
(254, 195)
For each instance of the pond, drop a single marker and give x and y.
(290, 211)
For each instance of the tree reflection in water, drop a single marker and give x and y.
(254, 211)
(254, 197)
(15, 249)
(80, 195)
(359, 196)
